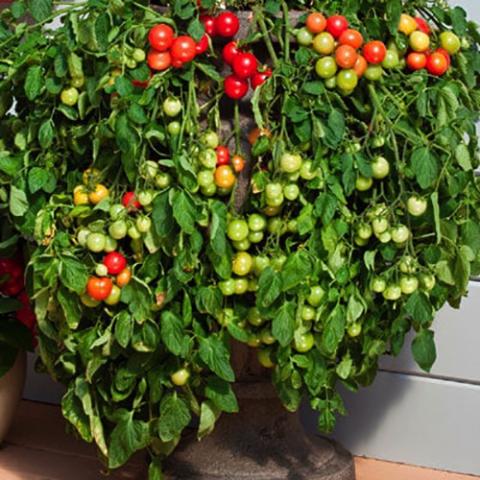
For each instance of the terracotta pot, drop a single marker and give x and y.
(11, 389)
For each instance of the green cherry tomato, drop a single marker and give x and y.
(208, 158)
(408, 284)
(378, 285)
(400, 234)
(116, 211)
(392, 293)
(416, 206)
(267, 337)
(380, 225)
(118, 230)
(326, 68)
(290, 162)
(163, 180)
(304, 343)
(205, 178)
(242, 264)
(257, 222)
(101, 270)
(291, 192)
(331, 83)
(392, 60)
(227, 287)
(374, 73)
(209, 190)
(450, 42)
(96, 242)
(307, 172)
(278, 261)
(273, 190)
(77, 82)
(360, 241)
(408, 264)
(428, 281)
(133, 233)
(180, 377)
(362, 184)
(243, 245)
(265, 358)
(256, 237)
(308, 313)
(114, 296)
(378, 141)
(354, 330)
(276, 226)
(317, 293)
(82, 236)
(347, 80)
(139, 55)
(241, 286)
(292, 226)
(145, 197)
(254, 317)
(69, 96)
(143, 224)
(275, 201)
(172, 106)
(260, 263)
(111, 244)
(210, 139)
(174, 128)
(304, 37)
(364, 231)
(237, 230)
(380, 168)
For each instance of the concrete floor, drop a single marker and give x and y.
(38, 448)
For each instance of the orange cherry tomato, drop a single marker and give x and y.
(99, 288)
(224, 177)
(100, 192)
(316, 22)
(80, 196)
(416, 61)
(346, 56)
(256, 133)
(351, 37)
(360, 66)
(238, 163)
(124, 277)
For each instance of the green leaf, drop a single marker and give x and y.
(10, 165)
(184, 211)
(124, 329)
(75, 65)
(73, 411)
(9, 305)
(155, 470)
(196, 29)
(394, 10)
(269, 287)
(102, 28)
(209, 414)
(459, 20)
(173, 334)
(334, 330)
(314, 88)
(162, 215)
(344, 368)
(463, 157)
(217, 357)
(37, 178)
(71, 307)
(221, 394)
(138, 298)
(335, 128)
(46, 134)
(419, 307)
(424, 164)
(209, 300)
(174, 417)
(34, 82)
(325, 207)
(423, 349)
(129, 436)
(296, 269)
(18, 202)
(283, 325)
(40, 9)
(73, 274)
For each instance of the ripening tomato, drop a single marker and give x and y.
(336, 25)
(326, 67)
(124, 277)
(423, 26)
(260, 77)
(161, 37)
(346, 56)
(437, 64)
(202, 45)
(209, 24)
(419, 41)
(416, 61)
(238, 163)
(222, 155)
(80, 195)
(235, 88)
(450, 42)
(304, 37)
(351, 37)
(115, 262)
(360, 66)
(224, 177)
(245, 65)
(69, 96)
(242, 264)
(374, 73)
(229, 52)
(183, 49)
(99, 288)
(447, 55)
(374, 52)
(180, 377)
(256, 133)
(227, 25)
(129, 200)
(99, 193)
(324, 43)
(316, 22)
(159, 61)
(347, 80)
(407, 24)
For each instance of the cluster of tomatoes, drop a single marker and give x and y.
(12, 284)
(420, 56)
(217, 167)
(91, 192)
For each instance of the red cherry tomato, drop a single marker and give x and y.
(260, 78)
(209, 24)
(115, 262)
(437, 64)
(416, 61)
(223, 155)
(177, 63)
(375, 52)
(336, 25)
(447, 55)
(423, 25)
(245, 65)
(13, 282)
(316, 23)
(183, 49)
(351, 37)
(227, 25)
(129, 200)
(142, 84)
(159, 61)
(26, 315)
(161, 37)
(230, 51)
(346, 56)
(202, 45)
(99, 288)
(235, 88)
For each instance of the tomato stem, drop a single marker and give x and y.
(266, 37)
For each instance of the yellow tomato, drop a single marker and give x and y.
(80, 196)
(407, 24)
(100, 192)
(91, 176)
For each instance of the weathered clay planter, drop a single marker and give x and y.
(11, 388)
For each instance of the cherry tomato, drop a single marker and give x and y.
(393, 292)
(347, 80)
(374, 52)
(235, 88)
(238, 163)
(391, 60)
(80, 195)
(79, 82)
(374, 73)
(419, 41)
(380, 168)
(210, 139)
(416, 61)
(354, 330)
(202, 45)
(241, 286)
(161, 37)
(224, 177)
(304, 37)
(227, 287)
(227, 25)
(256, 133)
(222, 155)
(118, 230)
(100, 193)
(209, 24)
(205, 178)
(159, 61)
(69, 96)
(326, 67)
(304, 343)
(114, 297)
(172, 106)
(289, 163)
(177, 63)
(351, 37)
(229, 52)
(183, 49)
(364, 231)
(360, 66)
(237, 230)
(124, 277)
(259, 78)
(336, 25)
(245, 65)
(416, 206)
(265, 358)
(129, 201)
(346, 56)
(423, 26)
(408, 264)
(316, 22)
(291, 192)
(363, 184)
(450, 42)
(316, 296)
(400, 234)
(180, 377)
(96, 242)
(242, 264)
(428, 281)
(324, 43)
(407, 24)
(174, 129)
(437, 64)
(446, 54)
(378, 284)
(99, 288)
(115, 262)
